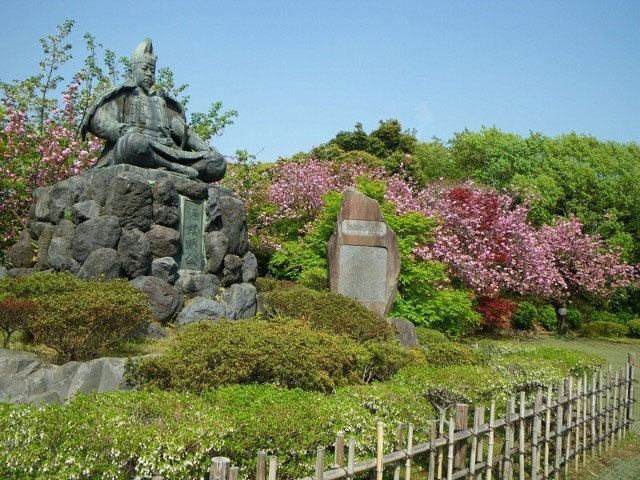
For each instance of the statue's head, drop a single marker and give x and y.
(143, 65)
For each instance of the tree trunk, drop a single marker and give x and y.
(561, 315)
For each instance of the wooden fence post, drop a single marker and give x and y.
(492, 413)
(339, 450)
(319, 463)
(507, 469)
(432, 450)
(219, 468)
(631, 366)
(600, 411)
(535, 450)
(568, 409)
(273, 467)
(480, 452)
(261, 466)
(547, 431)
(559, 419)
(521, 428)
(233, 473)
(460, 448)
(397, 446)
(351, 457)
(578, 424)
(474, 444)
(593, 415)
(585, 389)
(379, 450)
(450, 447)
(407, 465)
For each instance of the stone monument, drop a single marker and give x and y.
(145, 212)
(364, 262)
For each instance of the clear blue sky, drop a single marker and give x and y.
(300, 71)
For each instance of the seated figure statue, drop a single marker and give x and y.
(148, 128)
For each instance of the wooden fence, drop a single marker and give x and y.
(536, 439)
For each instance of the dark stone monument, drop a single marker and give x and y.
(146, 210)
(363, 254)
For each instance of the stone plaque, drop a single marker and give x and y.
(363, 272)
(192, 235)
(364, 262)
(364, 227)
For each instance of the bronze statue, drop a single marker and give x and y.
(149, 129)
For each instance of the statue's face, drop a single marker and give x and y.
(145, 75)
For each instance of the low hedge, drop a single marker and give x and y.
(427, 336)
(137, 434)
(284, 352)
(329, 312)
(634, 328)
(448, 354)
(604, 329)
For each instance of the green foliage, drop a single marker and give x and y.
(79, 324)
(427, 336)
(448, 354)
(315, 278)
(15, 315)
(386, 140)
(38, 285)
(448, 310)
(207, 125)
(547, 317)
(634, 328)
(602, 316)
(267, 284)
(525, 316)
(574, 318)
(329, 312)
(282, 351)
(604, 329)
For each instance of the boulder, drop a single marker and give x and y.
(103, 261)
(43, 246)
(215, 245)
(164, 300)
(130, 198)
(42, 211)
(38, 228)
(60, 251)
(249, 267)
(406, 335)
(63, 195)
(135, 253)
(22, 254)
(163, 241)
(234, 224)
(232, 269)
(213, 215)
(198, 284)
(166, 202)
(165, 268)
(200, 309)
(83, 211)
(99, 232)
(22, 272)
(240, 300)
(3, 271)
(194, 190)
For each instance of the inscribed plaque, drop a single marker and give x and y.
(363, 272)
(364, 228)
(191, 235)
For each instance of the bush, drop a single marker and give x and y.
(547, 317)
(329, 312)
(525, 316)
(316, 278)
(40, 284)
(624, 317)
(496, 312)
(574, 318)
(283, 351)
(15, 315)
(600, 316)
(80, 324)
(604, 329)
(268, 284)
(427, 336)
(449, 354)
(634, 328)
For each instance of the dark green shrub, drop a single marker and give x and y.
(268, 284)
(525, 316)
(287, 353)
(78, 325)
(634, 328)
(574, 318)
(449, 354)
(329, 312)
(386, 358)
(547, 317)
(600, 316)
(604, 329)
(427, 336)
(624, 317)
(38, 285)
(316, 278)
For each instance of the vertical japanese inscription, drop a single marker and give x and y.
(191, 235)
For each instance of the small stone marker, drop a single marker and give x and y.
(363, 254)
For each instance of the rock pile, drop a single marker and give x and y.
(171, 236)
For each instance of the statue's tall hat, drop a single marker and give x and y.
(144, 53)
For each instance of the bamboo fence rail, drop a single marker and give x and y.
(559, 428)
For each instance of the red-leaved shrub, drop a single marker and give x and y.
(496, 312)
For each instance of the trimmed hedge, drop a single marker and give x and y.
(604, 329)
(634, 328)
(449, 354)
(427, 336)
(329, 312)
(284, 352)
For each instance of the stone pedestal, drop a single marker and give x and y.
(364, 262)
